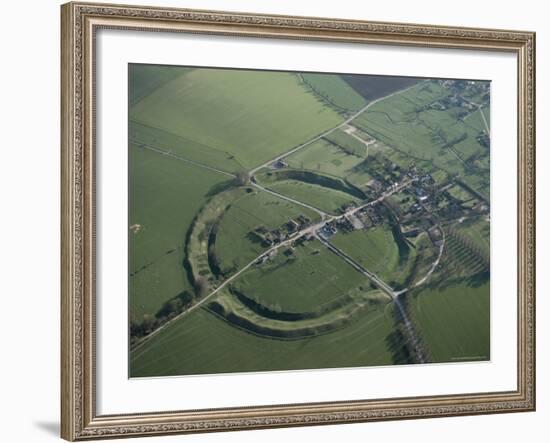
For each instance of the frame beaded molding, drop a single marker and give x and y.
(79, 23)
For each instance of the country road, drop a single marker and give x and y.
(413, 336)
(323, 134)
(290, 199)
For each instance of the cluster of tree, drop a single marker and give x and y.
(148, 323)
(477, 252)
(242, 178)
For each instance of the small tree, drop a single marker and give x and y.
(242, 178)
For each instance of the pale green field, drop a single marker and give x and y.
(249, 114)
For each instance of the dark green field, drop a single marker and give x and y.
(454, 321)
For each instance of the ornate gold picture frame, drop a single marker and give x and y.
(80, 22)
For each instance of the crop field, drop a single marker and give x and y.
(335, 91)
(234, 112)
(202, 343)
(302, 279)
(235, 246)
(164, 197)
(454, 321)
(275, 219)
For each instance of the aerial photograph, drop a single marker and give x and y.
(283, 220)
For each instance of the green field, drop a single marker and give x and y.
(302, 281)
(348, 143)
(375, 249)
(324, 157)
(165, 195)
(454, 321)
(202, 343)
(234, 244)
(250, 115)
(335, 91)
(323, 198)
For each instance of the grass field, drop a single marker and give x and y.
(321, 197)
(348, 143)
(375, 249)
(202, 343)
(476, 121)
(303, 281)
(234, 245)
(250, 115)
(323, 156)
(165, 195)
(454, 321)
(334, 90)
